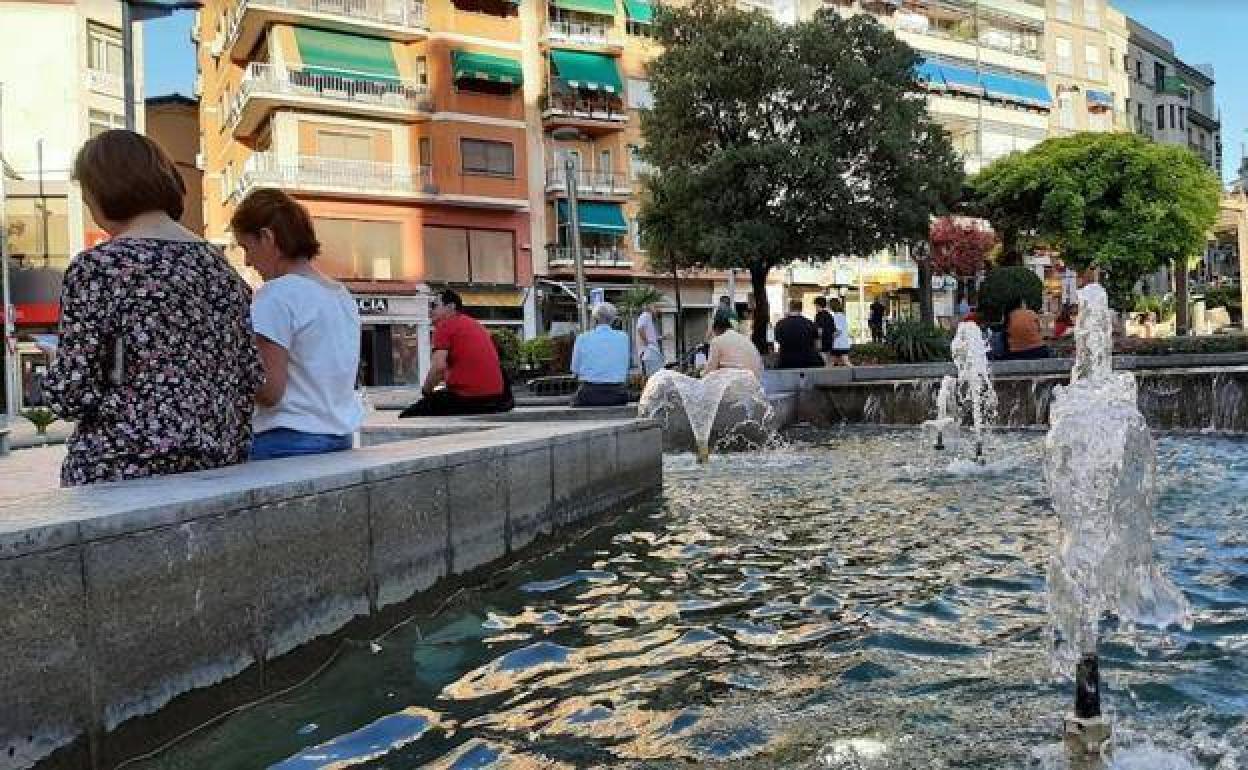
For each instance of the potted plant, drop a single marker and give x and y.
(41, 418)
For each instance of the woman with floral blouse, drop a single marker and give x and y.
(156, 361)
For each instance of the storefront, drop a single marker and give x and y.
(395, 338)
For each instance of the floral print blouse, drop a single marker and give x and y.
(181, 396)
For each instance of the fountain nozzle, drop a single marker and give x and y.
(704, 454)
(1086, 728)
(979, 452)
(940, 439)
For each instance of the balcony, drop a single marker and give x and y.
(594, 115)
(591, 256)
(347, 178)
(402, 20)
(106, 83)
(1172, 86)
(589, 184)
(989, 48)
(582, 33)
(265, 87)
(1142, 127)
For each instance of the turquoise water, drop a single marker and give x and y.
(848, 602)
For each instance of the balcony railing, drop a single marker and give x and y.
(361, 89)
(571, 105)
(101, 82)
(1143, 127)
(931, 30)
(581, 32)
(591, 256)
(266, 169)
(590, 182)
(399, 13)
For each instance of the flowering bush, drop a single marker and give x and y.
(960, 247)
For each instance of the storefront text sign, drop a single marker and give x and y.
(372, 305)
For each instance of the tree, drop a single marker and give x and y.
(960, 247)
(1114, 201)
(774, 143)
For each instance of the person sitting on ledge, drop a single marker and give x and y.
(465, 363)
(600, 362)
(796, 335)
(730, 349)
(1023, 336)
(307, 330)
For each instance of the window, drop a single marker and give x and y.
(1066, 110)
(604, 162)
(361, 250)
(1139, 70)
(638, 29)
(1064, 12)
(425, 149)
(1159, 74)
(37, 227)
(104, 50)
(636, 230)
(490, 7)
(459, 255)
(1092, 13)
(344, 146)
(1161, 117)
(422, 71)
(100, 121)
(639, 94)
(1092, 58)
(1182, 119)
(1173, 123)
(1139, 115)
(1065, 56)
(1098, 120)
(636, 166)
(489, 158)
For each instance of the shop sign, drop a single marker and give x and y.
(372, 305)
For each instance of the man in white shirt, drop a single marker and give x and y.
(649, 341)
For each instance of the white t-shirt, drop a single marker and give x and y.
(842, 340)
(647, 334)
(318, 325)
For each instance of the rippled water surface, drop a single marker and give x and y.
(850, 602)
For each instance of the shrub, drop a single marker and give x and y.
(507, 343)
(870, 353)
(914, 342)
(1005, 287)
(41, 418)
(561, 353)
(1223, 296)
(537, 352)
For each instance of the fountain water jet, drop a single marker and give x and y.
(1100, 465)
(967, 397)
(701, 400)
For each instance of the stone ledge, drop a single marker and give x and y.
(229, 568)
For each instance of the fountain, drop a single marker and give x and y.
(969, 395)
(1100, 465)
(701, 400)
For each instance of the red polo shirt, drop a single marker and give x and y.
(472, 362)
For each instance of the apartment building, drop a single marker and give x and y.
(1081, 61)
(1171, 101)
(54, 96)
(400, 124)
(173, 123)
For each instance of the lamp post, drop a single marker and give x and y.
(574, 225)
(141, 10)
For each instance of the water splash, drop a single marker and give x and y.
(1100, 465)
(944, 429)
(701, 401)
(975, 391)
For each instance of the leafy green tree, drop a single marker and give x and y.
(1115, 201)
(773, 143)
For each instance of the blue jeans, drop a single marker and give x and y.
(284, 442)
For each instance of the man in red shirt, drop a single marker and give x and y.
(465, 363)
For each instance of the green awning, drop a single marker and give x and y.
(336, 53)
(596, 217)
(587, 70)
(639, 11)
(471, 65)
(600, 7)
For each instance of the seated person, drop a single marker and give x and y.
(1024, 339)
(465, 362)
(796, 334)
(307, 331)
(730, 349)
(600, 362)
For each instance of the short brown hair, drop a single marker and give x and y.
(126, 174)
(282, 215)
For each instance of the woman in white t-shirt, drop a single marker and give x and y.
(307, 330)
(842, 343)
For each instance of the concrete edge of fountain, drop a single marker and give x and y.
(123, 596)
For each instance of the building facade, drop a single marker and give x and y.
(1171, 101)
(173, 123)
(66, 93)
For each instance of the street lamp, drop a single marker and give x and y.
(141, 10)
(574, 223)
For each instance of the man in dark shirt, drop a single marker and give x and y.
(876, 320)
(796, 334)
(827, 329)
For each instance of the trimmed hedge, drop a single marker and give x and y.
(1005, 287)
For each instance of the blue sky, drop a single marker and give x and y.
(1204, 32)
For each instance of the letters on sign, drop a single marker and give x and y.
(372, 305)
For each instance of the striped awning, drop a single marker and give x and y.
(472, 65)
